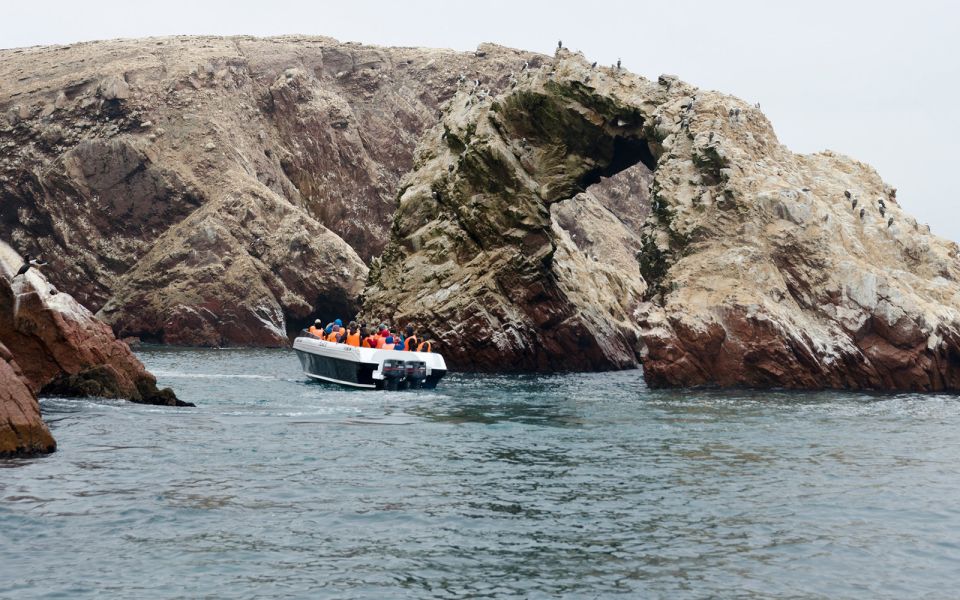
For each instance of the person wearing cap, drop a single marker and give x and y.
(316, 329)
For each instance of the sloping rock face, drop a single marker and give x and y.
(216, 191)
(775, 269)
(61, 348)
(755, 267)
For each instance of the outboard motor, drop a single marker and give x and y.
(394, 372)
(416, 372)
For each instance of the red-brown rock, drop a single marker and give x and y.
(22, 431)
(61, 348)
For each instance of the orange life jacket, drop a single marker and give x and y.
(381, 340)
(370, 341)
(425, 347)
(410, 343)
(314, 331)
(353, 339)
(333, 336)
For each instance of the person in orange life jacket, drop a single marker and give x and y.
(352, 337)
(366, 340)
(382, 336)
(426, 346)
(316, 329)
(336, 334)
(411, 341)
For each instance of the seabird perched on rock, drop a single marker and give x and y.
(853, 204)
(847, 194)
(27, 263)
(889, 221)
(618, 64)
(526, 65)
(881, 202)
(559, 44)
(863, 211)
(594, 65)
(450, 168)
(476, 83)
(435, 195)
(883, 211)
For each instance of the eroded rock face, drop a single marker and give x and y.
(61, 348)
(216, 191)
(773, 278)
(499, 253)
(754, 267)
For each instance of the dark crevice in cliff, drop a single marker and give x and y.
(326, 308)
(627, 151)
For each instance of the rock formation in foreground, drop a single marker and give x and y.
(22, 431)
(755, 266)
(216, 191)
(51, 345)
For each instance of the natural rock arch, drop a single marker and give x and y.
(484, 254)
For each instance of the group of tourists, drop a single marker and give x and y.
(361, 337)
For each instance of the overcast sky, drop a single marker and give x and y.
(878, 81)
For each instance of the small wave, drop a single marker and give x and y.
(183, 375)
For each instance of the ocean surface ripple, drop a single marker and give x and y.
(563, 486)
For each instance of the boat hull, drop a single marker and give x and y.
(368, 368)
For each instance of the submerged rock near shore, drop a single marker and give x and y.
(51, 345)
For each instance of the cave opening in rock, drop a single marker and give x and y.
(326, 308)
(627, 151)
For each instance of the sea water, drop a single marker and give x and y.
(561, 486)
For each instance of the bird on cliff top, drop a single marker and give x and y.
(863, 211)
(881, 202)
(27, 263)
(618, 64)
(594, 65)
(883, 211)
(889, 221)
(853, 204)
(526, 65)
(559, 44)
(847, 194)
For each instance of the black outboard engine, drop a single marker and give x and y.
(416, 371)
(394, 373)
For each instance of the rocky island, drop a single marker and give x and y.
(529, 212)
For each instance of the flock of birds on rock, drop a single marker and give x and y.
(881, 206)
(483, 93)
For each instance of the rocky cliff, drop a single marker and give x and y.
(216, 191)
(50, 344)
(755, 266)
(554, 215)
